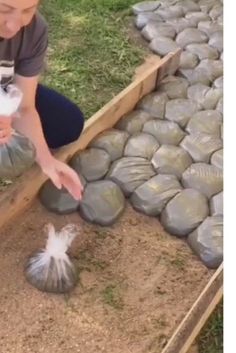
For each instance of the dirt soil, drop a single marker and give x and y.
(136, 284)
(134, 36)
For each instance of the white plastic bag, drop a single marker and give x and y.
(10, 100)
(50, 269)
(18, 154)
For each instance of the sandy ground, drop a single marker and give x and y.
(136, 284)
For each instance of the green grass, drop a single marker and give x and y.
(111, 296)
(179, 263)
(211, 337)
(91, 58)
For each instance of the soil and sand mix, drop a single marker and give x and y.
(136, 283)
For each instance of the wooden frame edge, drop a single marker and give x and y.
(193, 322)
(19, 196)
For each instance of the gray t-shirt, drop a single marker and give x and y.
(24, 53)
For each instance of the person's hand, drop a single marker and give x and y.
(63, 176)
(5, 129)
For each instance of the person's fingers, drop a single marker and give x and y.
(4, 140)
(68, 171)
(56, 181)
(3, 125)
(71, 182)
(5, 122)
(55, 178)
(74, 176)
(73, 188)
(5, 133)
(64, 176)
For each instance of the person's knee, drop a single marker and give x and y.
(77, 125)
(62, 120)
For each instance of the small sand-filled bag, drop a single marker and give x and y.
(50, 269)
(18, 154)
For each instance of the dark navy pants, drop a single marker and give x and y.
(62, 120)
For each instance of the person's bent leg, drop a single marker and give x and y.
(62, 120)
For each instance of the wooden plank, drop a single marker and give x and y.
(189, 328)
(149, 60)
(19, 196)
(169, 67)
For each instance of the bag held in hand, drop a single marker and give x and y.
(18, 154)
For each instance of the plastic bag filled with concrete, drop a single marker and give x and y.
(18, 153)
(207, 241)
(203, 177)
(185, 212)
(50, 269)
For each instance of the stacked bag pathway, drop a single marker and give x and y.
(165, 157)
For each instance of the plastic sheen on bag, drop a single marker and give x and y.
(50, 269)
(18, 154)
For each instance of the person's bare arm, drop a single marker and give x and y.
(29, 124)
